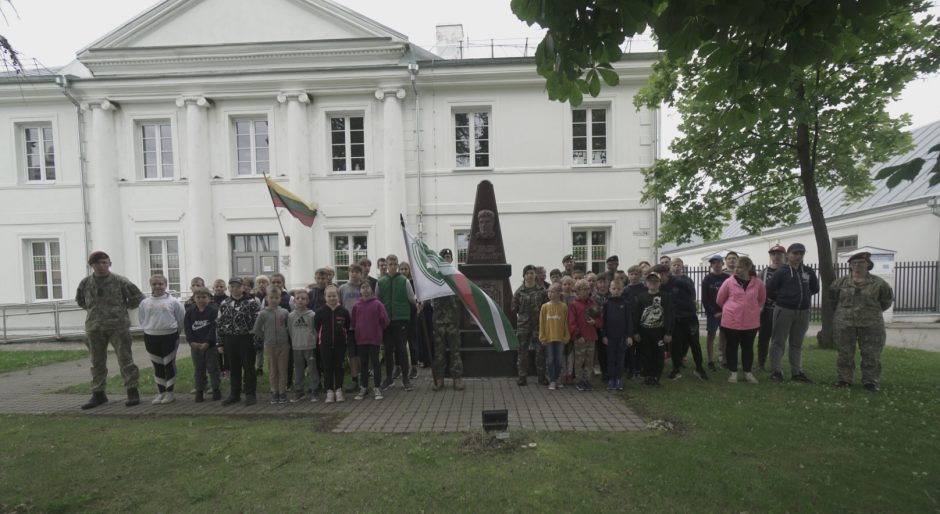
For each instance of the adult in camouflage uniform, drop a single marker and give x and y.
(447, 336)
(106, 297)
(859, 300)
(526, 303)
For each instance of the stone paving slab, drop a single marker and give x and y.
(531, 407)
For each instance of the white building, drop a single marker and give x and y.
(152, 144)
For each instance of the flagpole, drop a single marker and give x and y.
(276, 214)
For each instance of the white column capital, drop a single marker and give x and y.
(295, 96)
(104, 105)
(199, 101)
(382, 94)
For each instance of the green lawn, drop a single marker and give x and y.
(13, 360)
(735, 448)
(184, 379)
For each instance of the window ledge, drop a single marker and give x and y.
(469, 168)
(592, 165)
(348, 173)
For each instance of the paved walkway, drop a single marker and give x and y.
(531, 408)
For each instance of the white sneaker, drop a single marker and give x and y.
(330, 397)
(751, 379)
(733, 377)
(361, 394)
(339, 395)
(551, 386)
(378, 394)
(157, 400)
(167, 398)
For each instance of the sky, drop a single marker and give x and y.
(47, 31)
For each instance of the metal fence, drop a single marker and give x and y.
(916, 288)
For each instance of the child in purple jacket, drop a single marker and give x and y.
(369, 320)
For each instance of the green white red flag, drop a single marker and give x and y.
(434, 277)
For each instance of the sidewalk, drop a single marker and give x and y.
(530, 408)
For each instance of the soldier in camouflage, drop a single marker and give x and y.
(859, 300)
(447, 336)
(106, 297)
(526, 303)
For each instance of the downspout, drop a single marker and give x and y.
(656, 139)
(413, 72)
(63, 82)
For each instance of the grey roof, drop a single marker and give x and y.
(832, 200)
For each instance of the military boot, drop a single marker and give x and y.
(133, 397)
(97, 398)
(458, 384)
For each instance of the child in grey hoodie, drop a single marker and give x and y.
(304, 341)
(271, 327)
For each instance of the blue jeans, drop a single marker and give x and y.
(616, 353)
(554, 359)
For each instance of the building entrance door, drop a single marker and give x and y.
(254, 254)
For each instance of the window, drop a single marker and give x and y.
(348, 143)
(163, 258)
(46, 269)
(845, 244)
(589, 247)
(252, 147)
(589, 136)
(254, 254)
(348, 248)
(472, 139)
(461, 243)
(156, 149)
(39, 153)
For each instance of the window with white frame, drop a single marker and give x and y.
(38, 152)
(845, 244)
(347, 143)
(348, 248)
(589, 136)
(156, 149)
(590, 248)
(45, 268)
(163, 258)
(472, 139)
(252, 146)
(461, 243)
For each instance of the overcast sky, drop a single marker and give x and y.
(52, 31)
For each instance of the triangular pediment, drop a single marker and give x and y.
(187, 23)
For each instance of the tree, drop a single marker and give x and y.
(778, 99)
(9, 59)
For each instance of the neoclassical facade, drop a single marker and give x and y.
(153, 144)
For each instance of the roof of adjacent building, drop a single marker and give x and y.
(833, 200)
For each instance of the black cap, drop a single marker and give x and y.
(97, 256)
(796, 247)
(613, 258)
(863, 255)
(446, 253)
(236, 280)
(567, 258)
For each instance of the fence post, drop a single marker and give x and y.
(55, 316)
(4, 324)
(936, 291)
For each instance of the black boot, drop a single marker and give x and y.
(133, 397)
(199, 397)
(97, 398)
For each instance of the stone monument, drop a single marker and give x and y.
(487, 268)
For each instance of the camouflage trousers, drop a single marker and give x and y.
(529, 340)
(447, 337)
(120, 339)
(870, 340)
(583, 360)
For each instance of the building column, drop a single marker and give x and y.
(393, 164)
(106, 214)
(298, 267)
(199, 231)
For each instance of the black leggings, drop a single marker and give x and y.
(369, 355)
(162, 351)
(333, 365)
(685, 337)
(744, 339)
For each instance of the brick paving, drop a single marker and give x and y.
(531, 407)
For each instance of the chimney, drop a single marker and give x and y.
(450, 41)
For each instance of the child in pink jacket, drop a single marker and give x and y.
(741, 298)
(369, 320)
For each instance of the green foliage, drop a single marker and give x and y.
(909, 170)
(12, 360)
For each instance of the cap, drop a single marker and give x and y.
(235, 280)
(97, 256)
(796, 247)
(613, 258)
(863, 255)
(567, 258)
(715, 257)
(654, 275)
(776, 249)
(446, 253)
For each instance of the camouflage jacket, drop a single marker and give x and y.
(445, 311)
(107, 299)
(526, 303)
(860, 304)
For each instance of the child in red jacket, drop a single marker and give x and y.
(584, 318)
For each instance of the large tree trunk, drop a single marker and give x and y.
(826, 270)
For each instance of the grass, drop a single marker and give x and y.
(735, 448)
(22, 359)
(115, 385)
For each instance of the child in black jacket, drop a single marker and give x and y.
(616, 334)
(331, 323)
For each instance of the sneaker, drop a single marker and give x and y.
(378, 394)
(801, 377)
(842, 384)
(588, 386)
(386, 384)
(298, 396)
(872, 388)
(611, 386)
(711, 367)
(157, 400)
(597, 370)
(339, 395)
(250, 399)
(275, 398)
(200, 397)
(413, 374)
(619, 385)
(231, 400)
(733, 377)
(551, 386)
(522, 381)
(675, 375)
(168, 398)
(283, 398)
(360, 394)
(776, 376)
(750, 378)
(560, 385)
(313, 398)
(580, 386)
(409, 387)
(330, 397)
(216, 395)
(700, 374)
(396, 373)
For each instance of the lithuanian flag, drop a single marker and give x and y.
(303, 211)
